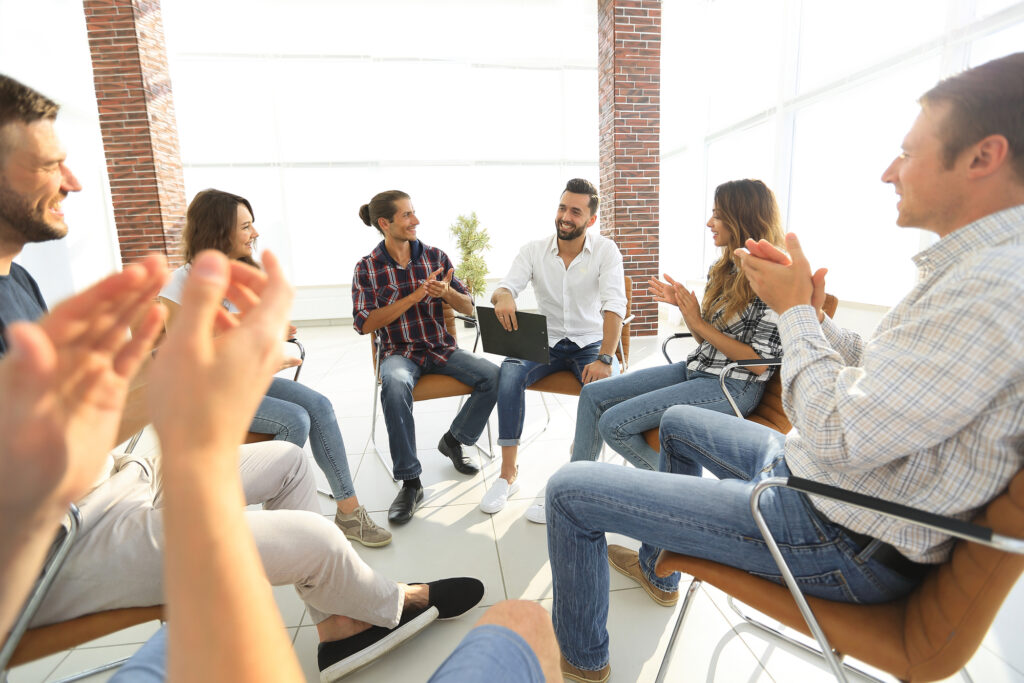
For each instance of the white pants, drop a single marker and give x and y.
(117, 559)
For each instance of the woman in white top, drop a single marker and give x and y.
(290, 411)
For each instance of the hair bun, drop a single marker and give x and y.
(364, 213)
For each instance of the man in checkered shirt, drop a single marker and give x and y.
(399, 291)
(928, 412)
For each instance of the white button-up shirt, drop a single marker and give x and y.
(573, 299)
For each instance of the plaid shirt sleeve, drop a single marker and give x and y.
(364, 300)
(918, 382)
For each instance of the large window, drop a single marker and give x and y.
(309, 108)
(814, 98)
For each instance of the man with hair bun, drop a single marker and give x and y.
(400, 289)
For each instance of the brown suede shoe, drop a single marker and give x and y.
(584, 676)
(627, 563)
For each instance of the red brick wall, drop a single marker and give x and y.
(629, 86)
(140, 135)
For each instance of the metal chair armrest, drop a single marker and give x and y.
(302, 356)
(774, 362)
(664, 344)
(58, 552)
(947, 525)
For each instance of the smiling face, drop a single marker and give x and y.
(243, 239)
(33, 182)
(573, 216)
(931, 194)
(719, 230)
(402, 226)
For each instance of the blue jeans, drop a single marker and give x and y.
(518, 374)
(398, 377)
(620, 409)
(490, 654)
(708, 518)
(292, 412)
(148, 664)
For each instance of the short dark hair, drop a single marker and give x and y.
(20, 103)
(381, 206)
(210, 223)
(583, 186)
(985, 100)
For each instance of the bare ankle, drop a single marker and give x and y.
(337, 627)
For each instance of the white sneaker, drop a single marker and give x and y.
(535, 513)
(497, 497)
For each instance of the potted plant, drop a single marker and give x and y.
(472, 240)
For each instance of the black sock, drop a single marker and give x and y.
(412, 484)
(451, 440)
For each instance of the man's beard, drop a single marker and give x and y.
(571, 235)
(27, 225)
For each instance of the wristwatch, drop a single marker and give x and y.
(605, 358)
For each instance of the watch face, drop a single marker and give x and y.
(605, 358)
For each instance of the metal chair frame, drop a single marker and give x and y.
(947, 525)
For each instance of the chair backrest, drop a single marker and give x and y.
(624, 355)
(948, 615)
(769, 412)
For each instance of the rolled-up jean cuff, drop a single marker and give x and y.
(508, 442)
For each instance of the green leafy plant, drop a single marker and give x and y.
(472, 240)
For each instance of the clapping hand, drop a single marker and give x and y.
(439, 288)
(65, 381)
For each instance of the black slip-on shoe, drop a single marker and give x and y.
(405, 504)
(454, 597)
(339, 658)
(459, 459)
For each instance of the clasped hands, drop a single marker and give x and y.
(437, 288)
(783, 280)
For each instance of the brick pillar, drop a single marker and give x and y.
(140, 135)
(629, 94)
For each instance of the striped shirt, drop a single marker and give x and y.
(418, 334)
(756, 326)
(929, 412)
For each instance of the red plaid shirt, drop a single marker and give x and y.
(418, 334)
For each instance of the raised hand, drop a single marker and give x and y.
(204, 389)
(781, 285)
(65, 381)
(663, 293)
(421, 292)
(439, 288)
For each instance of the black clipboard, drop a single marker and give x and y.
(529, 342)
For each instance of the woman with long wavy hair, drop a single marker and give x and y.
(729, 324)
(290, 411)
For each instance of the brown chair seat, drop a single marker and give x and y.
(928, 635)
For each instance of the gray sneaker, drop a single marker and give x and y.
(358, 526)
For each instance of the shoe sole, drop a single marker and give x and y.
(368, 544)
(643, 584)
(512, 490)
(386, 644)
(580, 679)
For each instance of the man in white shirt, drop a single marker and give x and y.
(578, 281)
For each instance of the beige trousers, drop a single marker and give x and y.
(117, 559)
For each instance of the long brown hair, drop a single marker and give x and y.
(210, 223)
(748, 210)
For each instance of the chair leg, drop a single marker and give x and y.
(691, 592)
(547, 421)
(373, 434)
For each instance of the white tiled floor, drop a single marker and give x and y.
(450, 536)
